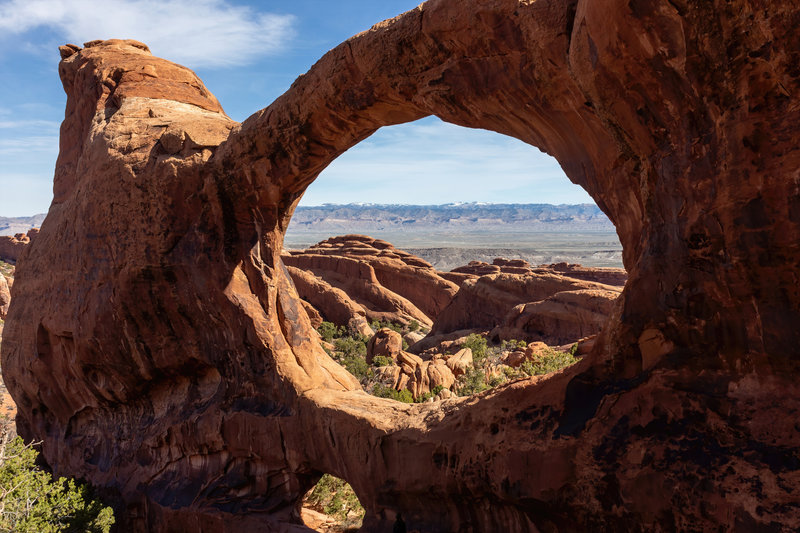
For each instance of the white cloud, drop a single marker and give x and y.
(208, 33)
(17, 124)
(29, 145)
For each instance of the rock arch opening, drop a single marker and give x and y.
(407, 326)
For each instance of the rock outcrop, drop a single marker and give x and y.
(607, 276)
(5, 297)
(563, 318)
(382, 282)
(548, 307)
(386, 343)
(11, 247)
(157, 346)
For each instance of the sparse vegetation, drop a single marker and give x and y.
(7, 269)
(378, 324)
(382, 391)
(513, 344)
(478, 345)
(329, 331)
(428, 395)
(472, 382)
(31, 501)
(382, 360)
(336, 498)
(487, 371)
(550, 361)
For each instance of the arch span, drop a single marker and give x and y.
(182, 373)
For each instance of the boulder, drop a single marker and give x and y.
(385, 342)
(428, 375)
(460, 362)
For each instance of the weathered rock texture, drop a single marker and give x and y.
(5, 297)
(563, 318)
(11, 247)
(356, 276)
(157, 346)
(549, 307)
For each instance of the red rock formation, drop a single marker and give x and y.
(385, 342)
(329, 302)
(174, 364)
(490, 301)
(477, 268)
(562, 318)
(456, 277)
(11, 247)
(5, 297)
(607, 276)
(399, 286)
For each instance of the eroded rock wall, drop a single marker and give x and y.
(175, 365)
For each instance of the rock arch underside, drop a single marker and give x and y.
(156, 345)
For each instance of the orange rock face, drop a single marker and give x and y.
(380, 281)
(543, 306)
(11, 247)
(157, 345)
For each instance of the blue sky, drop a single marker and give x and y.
(248, 53)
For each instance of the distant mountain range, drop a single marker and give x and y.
(450, 235)
(364, 218)
(14, 225)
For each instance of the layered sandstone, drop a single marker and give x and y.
(548, 307)
(358, 279)
(607, 276)
(158, 348)
(11, 248)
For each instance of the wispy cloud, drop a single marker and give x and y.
(30, 145)
(207, 33)
(431, 162)
(16, 124)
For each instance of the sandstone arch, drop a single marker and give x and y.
(155, 344)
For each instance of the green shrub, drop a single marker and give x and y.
(551, 361)
(472, 382)
(477, 344)
(378, 324)
(513, 344)
(573, 349)
(349, 347)
(356, 365)
(413, 325)
(496, 380)
(32, 502)
(335, 497)
(382, 360)
(382, 391)
(328, 331)
(428, 395)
